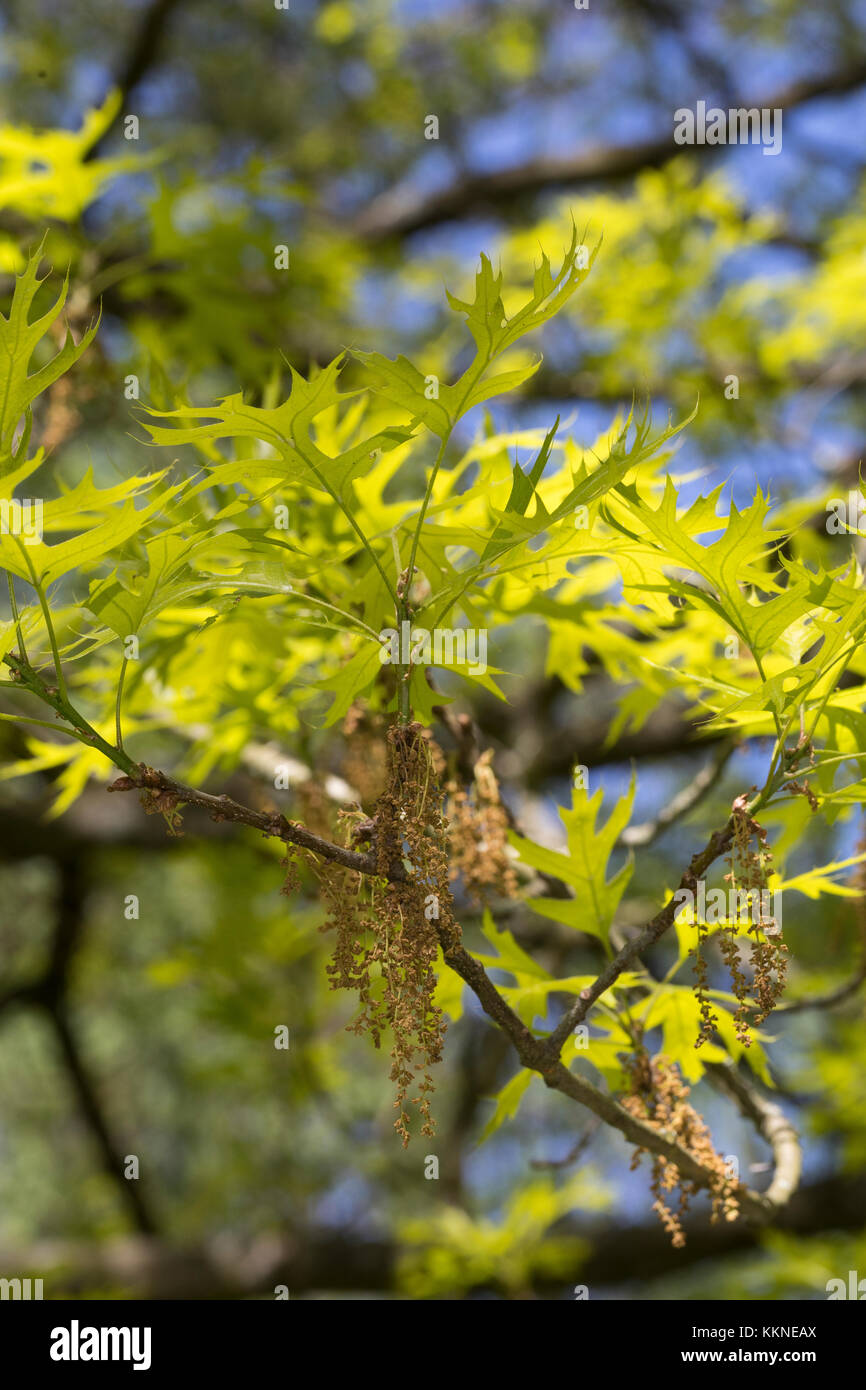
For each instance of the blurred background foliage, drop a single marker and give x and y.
(305, 127)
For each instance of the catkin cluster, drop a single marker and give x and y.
(478, 834)
(660, 1097)
(750, 864)
(388, 928)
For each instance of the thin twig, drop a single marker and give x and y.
(647, 937)
(639, 836)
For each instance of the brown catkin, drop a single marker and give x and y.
(387, 933)
(659, 1097)
(479, 835)
(709, 1018)
(750, 864)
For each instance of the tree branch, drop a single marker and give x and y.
(538, 1055)
(140, 57)
(315, 1260)
(651, 933)
(166, 794)
(639, 836)
(771, 1122)
(222, 808)
(49, 993)
(401, 211)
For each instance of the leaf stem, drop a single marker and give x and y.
(117, 704)
(40, 723)
(13, 604)
(320, 477)
(322, 603)
(49, 624)
(81, 729)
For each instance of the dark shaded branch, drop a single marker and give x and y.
(91, 1111)
(141, 56)
(575, 1152)
(401, 211)
(532, 757)
(315, 1260)
(48, 992)
(828, 1000)
(145, 46)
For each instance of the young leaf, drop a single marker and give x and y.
(584, 868)
(19, 337)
